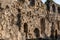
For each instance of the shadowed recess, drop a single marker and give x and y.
(36, 31)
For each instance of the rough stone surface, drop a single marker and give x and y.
(28, 19)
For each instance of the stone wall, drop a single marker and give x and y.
(27, 19)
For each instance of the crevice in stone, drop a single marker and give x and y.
(47, 5)
(7, 6)
(42, 25)
(53, 8)
(1, 7)
(19, 10)
(58, 24)
(52, 31)
(18, 20)
(58, 9)
(25, 27)
(56, 34)
(36, 31)
(32, 2)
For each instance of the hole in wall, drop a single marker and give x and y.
(25, 27)
(53, 8)
(7, 6)
(47, 5)
(32, 2)
(58, 9)
(19, 10)
(56, 34)
(18, 20)
(1, 7)
(52, 31)
(42, 21)
(58, 24)
(36, 31)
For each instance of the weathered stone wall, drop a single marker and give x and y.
(27, 19)
(19, 18)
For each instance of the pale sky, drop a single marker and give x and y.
(57, 1)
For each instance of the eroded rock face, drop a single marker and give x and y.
(19, 19)
(8, 20)
(26, 19)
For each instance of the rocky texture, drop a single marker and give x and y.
(28, 19)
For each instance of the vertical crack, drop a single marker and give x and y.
(19, 19)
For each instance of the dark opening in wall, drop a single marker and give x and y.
(25, 27)
(58, 9)
(53, 8)
(1, 7)
(32, 2)
(56, 34)
(58, 23)
(7, 6)
(19, 20)
(19, 10)
(42, 26)
(0, 4)
(52, 31)
(47, 5)
(36, 31)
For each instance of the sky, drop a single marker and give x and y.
(56, 1)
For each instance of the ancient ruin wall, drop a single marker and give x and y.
(25, 19)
